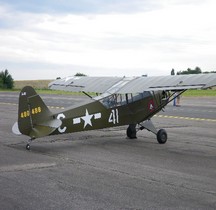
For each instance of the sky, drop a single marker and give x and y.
(46, 39)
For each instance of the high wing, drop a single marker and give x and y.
(178, 82)
(124, 85)
(86, 84)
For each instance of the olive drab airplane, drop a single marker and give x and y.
(131, 101)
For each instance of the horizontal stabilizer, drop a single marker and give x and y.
(15, 129)
(45, 128)
(51, 123)
(40, 130)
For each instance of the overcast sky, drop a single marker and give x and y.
(45, 39)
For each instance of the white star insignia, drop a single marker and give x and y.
(87, 119)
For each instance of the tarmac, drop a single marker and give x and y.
(102, 169)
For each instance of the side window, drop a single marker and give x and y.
(129, 98)
(114, 100)
(109, 101)
(137, 96)
(146, 94)
(123, 99)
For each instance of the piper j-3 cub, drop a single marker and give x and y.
(131, 101)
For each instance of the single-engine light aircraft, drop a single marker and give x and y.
(118, 101)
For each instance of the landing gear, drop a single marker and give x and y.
(131, 131)
(28, 146)
(161, 134)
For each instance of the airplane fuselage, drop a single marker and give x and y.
(113, 110)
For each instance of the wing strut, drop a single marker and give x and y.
(86, 94)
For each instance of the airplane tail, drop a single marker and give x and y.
(34, 117)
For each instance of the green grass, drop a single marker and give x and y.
(37, 84)
(200, 93)
(188, 93)
(45, 91)
(48, 91)
(59, 92)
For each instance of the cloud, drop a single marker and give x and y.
(79, 7)
(151, 41)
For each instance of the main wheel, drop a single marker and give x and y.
(161, 136)
(131, 133)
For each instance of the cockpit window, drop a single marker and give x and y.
(115, 100)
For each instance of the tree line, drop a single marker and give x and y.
(197, 70)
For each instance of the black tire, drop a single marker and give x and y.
(131, 133)
(162, 136)
(28, 146)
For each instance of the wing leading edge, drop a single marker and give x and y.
(124, 85)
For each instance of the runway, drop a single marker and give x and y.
(104, 170)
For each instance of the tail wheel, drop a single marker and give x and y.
(28, 146)
(161, 136)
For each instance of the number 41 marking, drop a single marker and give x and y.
(114, 116)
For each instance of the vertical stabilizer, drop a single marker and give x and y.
(34, 117)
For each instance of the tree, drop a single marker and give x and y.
(197, 70)
(78, 74)
(207, 72)
(1, 83)
(6, 80)
(173, 72)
